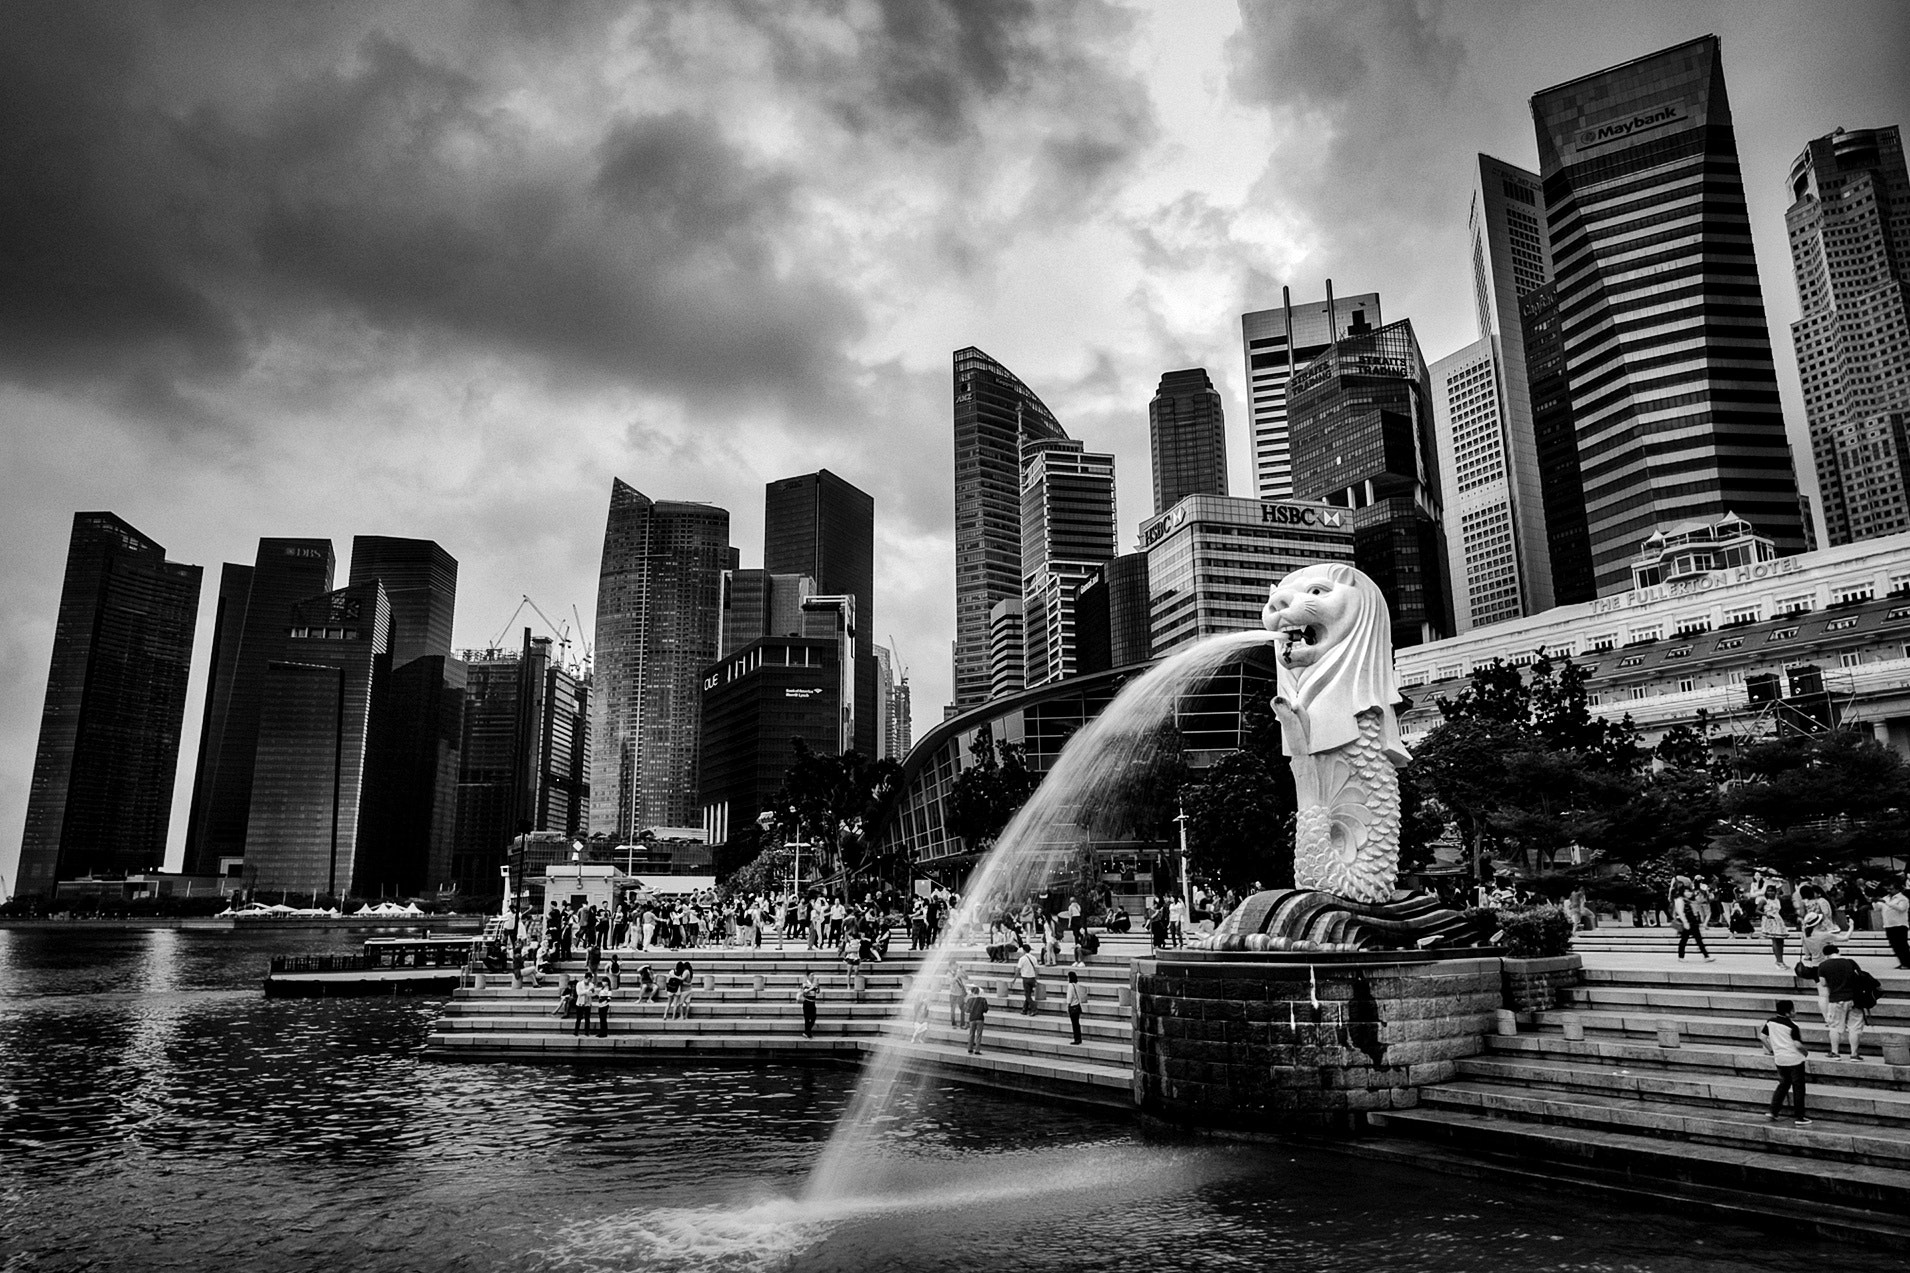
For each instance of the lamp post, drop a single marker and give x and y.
(1186, 886)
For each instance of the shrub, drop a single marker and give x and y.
(1535, 932)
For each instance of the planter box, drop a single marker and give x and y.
(1539, 985)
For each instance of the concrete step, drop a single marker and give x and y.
(1744, 1129)
(1757, 1187)
(1876, 1105)
(1730, 975)
(1102, 1021)
(1053, 1045)
(1705, 1027)
(1679, 1001)
(768, 1026)
(1705, 1057)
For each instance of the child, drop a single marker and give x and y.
(1785, 1043)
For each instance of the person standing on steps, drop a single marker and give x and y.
(1685, 913)
(586, 1000)
(810, 990)
(1842, 987)
(1025, 969)
(1077, 1000)
(603, 1009)
(1772, 924)
(1896, 922)
(1784, 1042)
(957, 998)
(976, 1008)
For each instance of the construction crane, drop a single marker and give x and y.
(561, 632)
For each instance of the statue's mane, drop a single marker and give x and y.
(1354, 676)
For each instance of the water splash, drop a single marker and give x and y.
(772, 1232)
(1052, 823)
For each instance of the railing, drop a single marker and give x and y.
(397, 954)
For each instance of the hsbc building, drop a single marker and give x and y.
(1211, 559)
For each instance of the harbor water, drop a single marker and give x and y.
(157, 1112)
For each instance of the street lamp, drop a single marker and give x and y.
(1186, 887)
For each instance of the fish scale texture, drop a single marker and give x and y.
(1349, 843)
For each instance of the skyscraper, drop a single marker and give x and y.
(1555, 441)
(1484, 535)
(1674, 392)
(1007, 654)
(823, 527)
(286, 571)
(1849, 226)
(523, 758)
(1278, 342)
(757, 604)
(756, 703)
(101, 793)
(994, 413)
(659, 596)
(1067, 532)
(1112, 618)
(1511, 259)
(1362, 422)
(1187, 438)
(420, 581)
(317, 702)
(228, 626)
(410, 799)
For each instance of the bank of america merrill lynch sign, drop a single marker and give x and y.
(1736, 576)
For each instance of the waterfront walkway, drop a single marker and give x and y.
(1648, 1083)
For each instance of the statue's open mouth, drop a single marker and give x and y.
(1300, 638)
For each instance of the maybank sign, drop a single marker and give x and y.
(1760, 572)
(1633, 125)
(1238, 511)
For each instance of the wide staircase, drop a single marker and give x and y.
(1652, 1082)
(745, 1007)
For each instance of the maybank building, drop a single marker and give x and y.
(1211, 559)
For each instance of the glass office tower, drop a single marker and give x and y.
(994, 414)
(1278, 342)
(1362, 420)
(1187, 438)
(101, 793)
(1667, 354)
(659, 607)
(822, 526)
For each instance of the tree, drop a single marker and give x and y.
(836, 801)
(1240, 822)
(1810, 804)
(986, 796)
(1524, 767)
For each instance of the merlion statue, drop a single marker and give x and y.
(1334, 651)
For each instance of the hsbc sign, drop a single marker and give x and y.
(1300, 515)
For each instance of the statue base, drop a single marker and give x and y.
(1307, 919)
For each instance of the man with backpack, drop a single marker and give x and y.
(1850, 993)
(1785, 1044)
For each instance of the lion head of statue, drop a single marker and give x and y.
(1334, 647)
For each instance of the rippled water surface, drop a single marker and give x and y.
(156, 1112)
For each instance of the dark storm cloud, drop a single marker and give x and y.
(154, 233)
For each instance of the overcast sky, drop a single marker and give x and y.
(444, 271)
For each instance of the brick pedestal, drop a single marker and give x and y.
(1539, 985)
(1235, 1040)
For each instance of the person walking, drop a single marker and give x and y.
(1025, 969)
(1844, 992)
(1077, 1000)
(1784, 1043)
(1687, 915)
(976, 1009)
(1772, 925)
(1896, 922)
